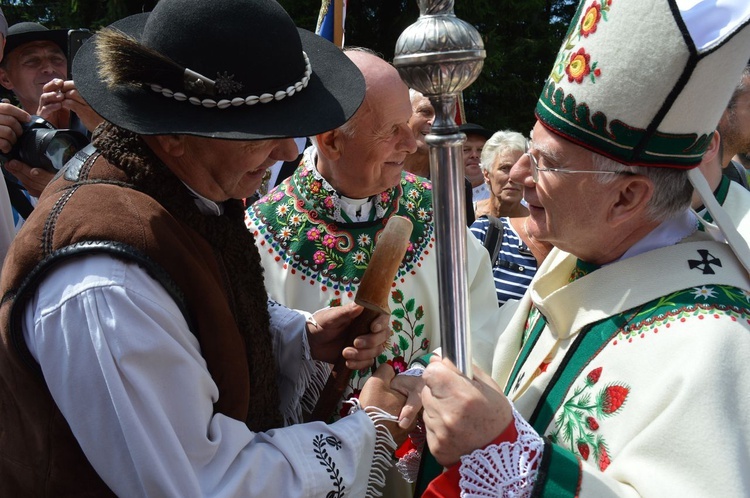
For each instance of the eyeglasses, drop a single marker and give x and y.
(535, 169)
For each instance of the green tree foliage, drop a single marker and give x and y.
(521, 38)
(65, 14)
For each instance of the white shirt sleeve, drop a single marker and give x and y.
(7, 227)
(128, 376)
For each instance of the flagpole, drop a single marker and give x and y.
(440, 55)
(338, 23)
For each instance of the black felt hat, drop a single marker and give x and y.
(25, 32)
(475, 129)
(232, 69)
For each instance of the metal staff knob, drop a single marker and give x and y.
(440, 55)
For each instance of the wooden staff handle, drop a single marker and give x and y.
(373, 295)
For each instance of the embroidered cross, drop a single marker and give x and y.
(705, 263)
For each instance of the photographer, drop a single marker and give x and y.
(35, 69)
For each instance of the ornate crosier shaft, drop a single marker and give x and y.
(440, 55)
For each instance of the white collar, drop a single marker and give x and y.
(668, 233)
(206, 206)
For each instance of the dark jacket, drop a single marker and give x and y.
(100, 208)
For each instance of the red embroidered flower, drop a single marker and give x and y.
(593, 376)
(592, 423)
(583, 449)
(319, 257)
(315, 186)
(397, 296)
(578, 67)
(591, 19)
(313, 234)
(612, 398)
(603, 457)
(328, 202)
(398, 364)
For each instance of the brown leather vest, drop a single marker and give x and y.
(95, 209)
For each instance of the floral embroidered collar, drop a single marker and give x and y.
(302, 223)
(327, 201)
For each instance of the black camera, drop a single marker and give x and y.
(43, 146)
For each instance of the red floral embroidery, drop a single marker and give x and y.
(612, 398)
(583, 449)
(578, 67)
(591, 19)
(592, 423)
(593, 376)
(603, 457)
(398, 364)
(579, 422)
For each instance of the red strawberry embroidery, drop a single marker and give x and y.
(583, 449)
(603, 457)
(579, 422)
(592, 423)
(612, 398)
(593, 376)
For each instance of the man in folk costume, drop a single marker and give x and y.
(316, 231)
(140, 355)
(623, 370)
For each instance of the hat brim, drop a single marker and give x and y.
(334, 93)
(57, 36)
(482, 132)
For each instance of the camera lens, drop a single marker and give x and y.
(50, 149)
(60, 149)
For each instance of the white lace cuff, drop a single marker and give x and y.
(408, 465)
(504, 470)
(384, 447)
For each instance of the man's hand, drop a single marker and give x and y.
(11, 118)
(461, 414)
(331, 333)
(59, 99)
(33, 179)
(411, 387)
(378, 392)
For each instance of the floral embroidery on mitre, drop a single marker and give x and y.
(578, 422)
(594, 13)
(505, 469)
(574, 61)
(579, 67)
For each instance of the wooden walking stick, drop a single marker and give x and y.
(373, 295)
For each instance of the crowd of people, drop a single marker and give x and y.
(174, 297)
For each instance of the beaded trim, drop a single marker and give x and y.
(238, 101)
